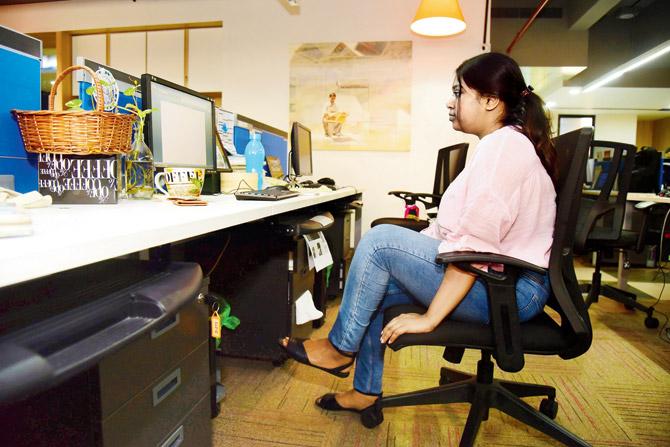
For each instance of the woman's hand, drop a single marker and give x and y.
(406, 324)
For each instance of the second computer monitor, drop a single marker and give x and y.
(180, 131)
(301, 149)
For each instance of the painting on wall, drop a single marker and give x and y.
(353, 95)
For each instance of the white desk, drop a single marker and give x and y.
(632, 196)
(69, 236)
(646, 197)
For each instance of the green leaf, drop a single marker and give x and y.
(130, 91)
(74, 104)
(90, 90)
(133, 107)
(105, 83)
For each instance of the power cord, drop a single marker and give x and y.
(218, 259)
(239, 188)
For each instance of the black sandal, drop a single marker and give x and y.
(371, 416)
(296, 350)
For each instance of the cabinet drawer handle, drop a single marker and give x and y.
(166, 386)
(169, 324)
(175, 438)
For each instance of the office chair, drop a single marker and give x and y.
(600, 226)
(506, 339)
(450, 163)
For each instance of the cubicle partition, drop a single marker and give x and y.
(20, 57)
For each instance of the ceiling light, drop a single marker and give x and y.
(438, 18)
(626, 13)
(632, 64)
(575, 91)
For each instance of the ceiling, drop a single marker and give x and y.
(595, 42)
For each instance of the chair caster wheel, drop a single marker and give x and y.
(651, 322)
(549, 408)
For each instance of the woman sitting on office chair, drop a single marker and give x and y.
(503, 202)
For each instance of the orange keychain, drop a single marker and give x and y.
(215, 325)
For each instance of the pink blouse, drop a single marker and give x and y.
(503, 202)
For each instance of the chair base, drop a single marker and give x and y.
(485, 392)
(629, 300)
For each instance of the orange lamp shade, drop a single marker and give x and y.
(438, 18)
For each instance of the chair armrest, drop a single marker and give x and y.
(428, 199)
(464, 259)
(503, 310)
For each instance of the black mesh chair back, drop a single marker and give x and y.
(450, 163)
(572, 152)
(601, 218)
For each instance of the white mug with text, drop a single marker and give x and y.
(183, 183)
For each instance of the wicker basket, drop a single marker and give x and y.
(75, 132)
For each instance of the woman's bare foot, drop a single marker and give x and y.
(354, 400)
(321, 353)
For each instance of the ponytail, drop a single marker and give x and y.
(530, 118)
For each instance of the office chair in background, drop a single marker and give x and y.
(506, 339)
(600, 226)
(450, 163)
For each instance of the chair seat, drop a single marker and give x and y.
(416, 225)
(627, 239)
(541, 335)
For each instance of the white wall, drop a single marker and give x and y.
(257, 38)
(619, 127)
(615, 127)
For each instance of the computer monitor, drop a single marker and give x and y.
(180, 132)
(301, 149)
(646, 175)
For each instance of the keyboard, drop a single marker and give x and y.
(264, 194)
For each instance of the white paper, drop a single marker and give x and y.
(305, 310)
(318, 253)
(225, 125)
(323, 220)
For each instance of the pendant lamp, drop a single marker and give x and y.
(438, 18)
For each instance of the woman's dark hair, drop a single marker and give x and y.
(496, 74)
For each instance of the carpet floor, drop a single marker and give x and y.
(617, 394)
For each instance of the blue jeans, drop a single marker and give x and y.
(392, 266)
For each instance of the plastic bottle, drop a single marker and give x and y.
(254, 154)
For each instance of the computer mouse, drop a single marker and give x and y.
(326, 181)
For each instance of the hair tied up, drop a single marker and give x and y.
(527, 91)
